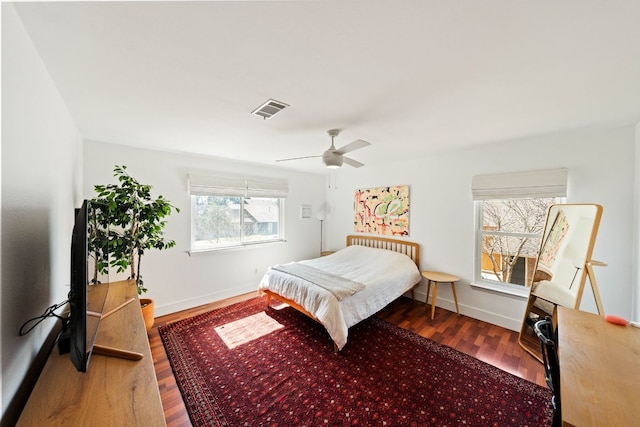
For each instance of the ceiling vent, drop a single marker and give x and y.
(269, 109)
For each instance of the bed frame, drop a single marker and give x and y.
(411, 249)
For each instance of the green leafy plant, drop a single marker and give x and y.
(126, 221)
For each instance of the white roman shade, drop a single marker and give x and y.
(521, 185)
(237, 186)
(263, 188)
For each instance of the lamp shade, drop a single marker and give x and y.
(332, 160)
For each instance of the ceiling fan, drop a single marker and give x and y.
(333, 158)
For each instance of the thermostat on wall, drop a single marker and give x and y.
(305, 211)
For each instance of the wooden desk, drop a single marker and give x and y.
(113, 392)
(599, 370)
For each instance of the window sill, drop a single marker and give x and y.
(503, 289)
(234, 248)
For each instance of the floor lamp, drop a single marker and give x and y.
(321, 216)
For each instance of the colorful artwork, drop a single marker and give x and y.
(382, 210)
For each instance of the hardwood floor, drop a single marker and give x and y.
(489, 343)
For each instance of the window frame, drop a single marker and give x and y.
(528, 184)
(496, 285)
(242, 243)
(241, 187)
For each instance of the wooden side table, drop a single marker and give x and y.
(435, 277)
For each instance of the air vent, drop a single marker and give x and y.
(269, 109)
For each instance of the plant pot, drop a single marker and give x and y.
(148, 311)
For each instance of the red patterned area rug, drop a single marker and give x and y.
(249, 365)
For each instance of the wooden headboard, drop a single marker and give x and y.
(410, 249)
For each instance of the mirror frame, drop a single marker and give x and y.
(546, 305)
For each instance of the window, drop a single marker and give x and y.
(509, 238)
(232, 211)
(511, 210)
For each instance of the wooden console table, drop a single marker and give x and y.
(599, 370)
(113, 391)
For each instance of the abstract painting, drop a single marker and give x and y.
(382, 210)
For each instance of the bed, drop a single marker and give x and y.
(374, 270)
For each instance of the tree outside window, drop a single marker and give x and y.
(509, 237)
(222, 221)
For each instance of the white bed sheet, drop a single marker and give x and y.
(385, 274)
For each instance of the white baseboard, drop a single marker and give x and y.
(185, 304)
(476, 313)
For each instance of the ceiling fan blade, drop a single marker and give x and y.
(297, 158)
(351, 162)
(358, 143)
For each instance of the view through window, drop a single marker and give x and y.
(509, 232)
(224, 221)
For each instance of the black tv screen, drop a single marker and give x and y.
(86, 301)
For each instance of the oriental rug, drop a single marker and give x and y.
(287, 374)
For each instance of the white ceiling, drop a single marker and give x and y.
(412, 77)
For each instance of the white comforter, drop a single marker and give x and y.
(386, 274)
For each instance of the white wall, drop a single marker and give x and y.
(41, 173)
(601, 170)
(177, 280)
(636, 229)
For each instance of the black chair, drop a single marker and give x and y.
(549, 345)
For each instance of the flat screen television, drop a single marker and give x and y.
(86, 301)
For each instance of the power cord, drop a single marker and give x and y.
(49, 312)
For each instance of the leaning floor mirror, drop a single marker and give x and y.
(562, 267)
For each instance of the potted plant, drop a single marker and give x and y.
(125, 222)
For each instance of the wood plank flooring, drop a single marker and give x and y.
(489, 343)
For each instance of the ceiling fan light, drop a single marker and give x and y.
(331, 160)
